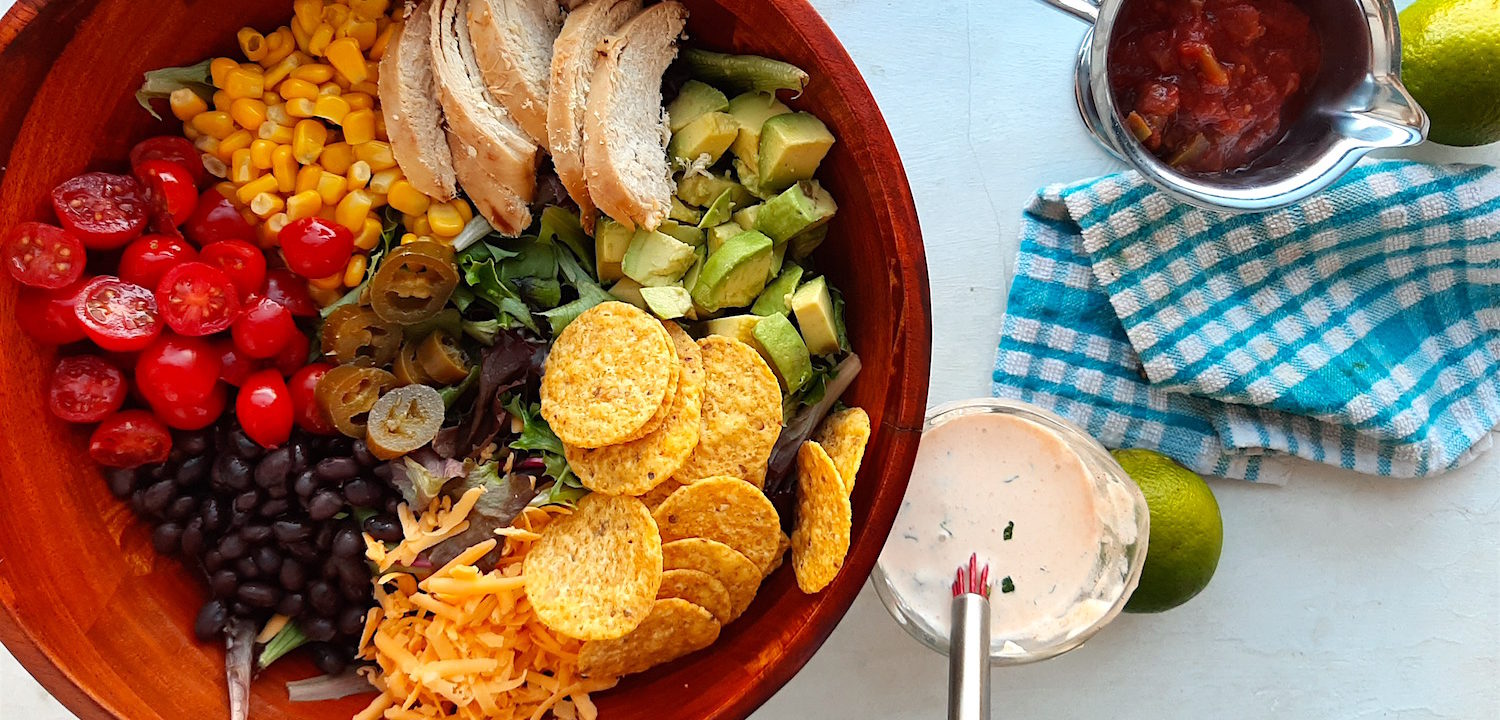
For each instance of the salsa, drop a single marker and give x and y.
(1208, 85)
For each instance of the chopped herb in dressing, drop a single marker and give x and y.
(1009, 528)
(1006, 586)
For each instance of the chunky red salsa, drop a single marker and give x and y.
(1207, 84)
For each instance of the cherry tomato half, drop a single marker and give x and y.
(283, 286)
(316, 248)
(244, 263)
(197, 299)
(265, 409)
(215, 219)
(177, 370)
(118, 315)
(303, 384)
(85, 389)
(105, 211)
(264, 328)
(294, 355)
(235, 365)
(51, 316)
(130, 438)
(173, 148)
(147, 258)
(170, 188)
(195, 415)
(42, 255)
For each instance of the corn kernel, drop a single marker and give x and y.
(464, 211)
(353, 209)
(362, 32)
(382, 41)
(263, 185)
(359, 131)
(331, 188)
(307, 14)
(186, 104)
(221, 100)
(279, 45)
(409, 238)
(267, 204)
(276, 222)
(368, 87)
(238, 140)
(303, 37)
(248, 112)
(278, 114)
(277, 73)
(315, 73)
(308, 137)
(330, 88)
(215, 166)
(190, 132)
(295, 88)
(369, 9)
(227, 190)
(242, 83)
(381, 180)
(333, 282)
(275, 132)
(407, 220)
(252, 44)
(307, 178)
(375, 152)
(207, 144)
(324, 298)
(354, 272)
(300, 108)
(377, 200)
(240, 168)
(369, 235)
(331, 108)
(372, 73)
(380, 130)
(444, 218)
(359, 101)
(421, 227)
(284, 168)
(408, 199)
(219, 68)
(337, 157)
(260, 153)
(317, 43)
(305, 203)
(345, 56)
(215, 124)
(358, 175)
(335, 14)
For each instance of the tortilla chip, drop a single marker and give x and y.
(741, 414)
(698, 588)
(674, 628)
(741, 578)
(821, 538)
(784, 544)
(844, 435)
(594, 574)
(726, 509)
(608, 374)
(657, 495)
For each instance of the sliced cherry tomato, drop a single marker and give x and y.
(283, 286)
(173, 148)
(195, 415)
(85, 389)
(215, 219)
(197, 299)
(235, 365)
(294, 355)
(316, 248)
(170, 188)
(42, 255)
(118, 315)
(130, 438)
(51, 316)
(147, 258)
(105, 211)
(244, 263)
(303, 384)
(264, 408)
(264, 328)
(177, 370)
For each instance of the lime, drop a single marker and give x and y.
(1186, 531)
(1450, 61)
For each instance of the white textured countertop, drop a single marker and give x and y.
(1338, 597)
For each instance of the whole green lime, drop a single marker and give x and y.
(1187, 531)
(1450, 61)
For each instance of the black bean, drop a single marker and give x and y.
(246, 569)
(233, 547)
(192, 538)
(331, 569)
(232, 474)
(354, 571)
(324, 504)
(362, 493)
(212, 512)
(213, 560)
(159, 496)
(299, 454)
(357, 592)
(336, 469)
(256, 534)
(329, 658)
(319, 629)
(193, 471)
(347, 542)
(338, 446)
(211, 620)
(273, 508)
(392, 505)
(241, 610)
(268, 560)
(223, 583)
(273, 468)
(305, 484)
(291, 605)
(121, 482)
(243, 446)
(288, 532)
(161, 471)
(167, 538)
(182, 508)
(246, 501)
(277, 493)
(259, 594)
(352, 621)
(304, 551)
(138, 503)
(192, 443)
(324, 539)
(382, 472)
(292, 575)
(383, 528)
(322, 597)
(362, 454)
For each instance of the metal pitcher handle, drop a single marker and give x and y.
(1084, 10)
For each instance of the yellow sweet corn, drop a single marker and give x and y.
(331, 108)
(260, 153)
(353, 210)
(252, 44)
(368, 87)
(335, 14)
(421, 227)
(359, 129)
(248, 112)
(317, 43)
(244, 83)
(337, 157)
(276, 74)
(300, 108)
(354, 272)
(303, 37)
(272, 228)
(359, 101)
(221, 100)
(308, 137)
(206, 144)
(330, 88)
(381, 180)
(279, 44)
(275, 132)
(237, 140)
(308, 177)
(331, 188)
(215, 124)
(332, 282)
(369, 235)
(284, 168)
(190, 132)
(263, 185)
(382, 41)
(215, 166)
(218, 70)
(375, 152)
(315, 73)
(362, 32)
(240, 168)
(407, 199)
(464, 211)
(267, 204)
(307, 14)
(305, 203)
(445, 219)
(277, 114)
(358, 176)
(369, 9)
(186, 104)
(345, 56)
(293, 87)
(409, 238)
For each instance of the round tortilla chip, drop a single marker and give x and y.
(607, 375)
(635, 467)
(698, 588)
(741, 414)
(844, 435)
(674, 628)
(741, 578)
(726, 509)
(665, 411)
(659, 494)
(821, 539)
(783, 544)
(594, 574)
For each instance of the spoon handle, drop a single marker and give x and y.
(969, 659)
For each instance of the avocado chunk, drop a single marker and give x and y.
(735, 274)
(775, 298)
(750, 178)
(814, 308)
(702, 189)
(804, 243)
(611, 240)
(627, 290)
(691, 278)
(710, 134)
(784, 348)
(745, 217)
(682, 212)
(800, 208)
(694, 100)
(751, 110)
(685, 232)
(720, 234)
(778, 258)
(791, 148)
(739, 327)
(668, 301)
(719, 211)
(655, 258)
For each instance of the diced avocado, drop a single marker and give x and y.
(735, 274)
(693, 100)
(655, 258)
(702, 189)
(750, 178)
(778, 258)
(611, 240)
(791, 147)
(719, 211)
(774, 299)
(784, 348)
(739, 327)
(745, 217)
(682, 212)
(710, 134)
(804, 243)
(628, 290)
(751, 110)
(720, 234)
(668, 301)
(686, 232)
(799, 208)
(691, 279)
(814, 308)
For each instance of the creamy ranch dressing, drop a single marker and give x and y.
(977, 473)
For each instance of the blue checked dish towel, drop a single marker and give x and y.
(1359, 328)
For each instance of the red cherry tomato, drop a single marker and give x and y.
(85, 389)
(147, 258)
(215, 219)
(105, 211)
(173, 148)
(303, 385)
(264, 328)
(264, 408)
(294, 355)
(197, 299)
(316, 248)
(235, 365)
(51, 316)
(283, 286)
(41, 255)
(118, 315)
(244, 263)
(170, 188)
(129, 439)
(195, 415)
(177, 370)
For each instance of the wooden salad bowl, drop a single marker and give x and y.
(106, 625)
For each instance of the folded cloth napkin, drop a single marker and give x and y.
(1359, 328)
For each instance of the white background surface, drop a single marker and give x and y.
(1338, 597)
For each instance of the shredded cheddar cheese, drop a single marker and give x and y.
(462, 643)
